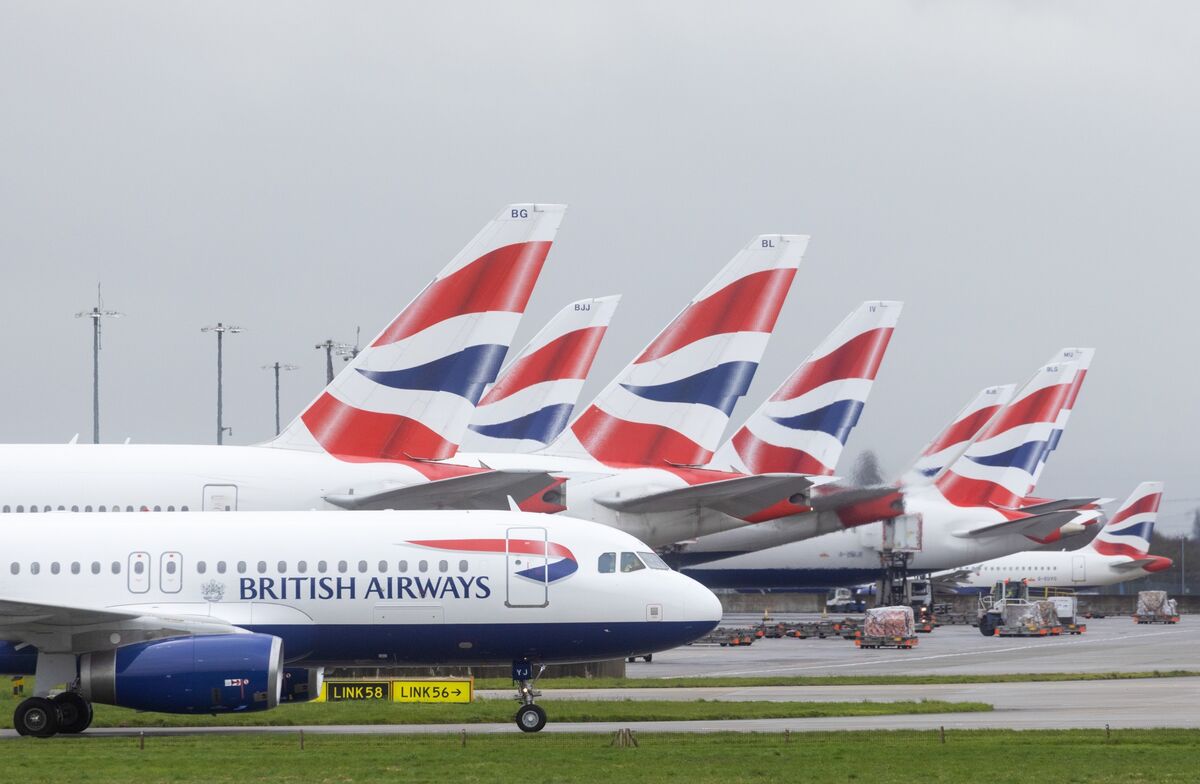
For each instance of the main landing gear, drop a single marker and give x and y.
(42, 717)
(530, 716)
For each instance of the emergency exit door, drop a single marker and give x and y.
(220, 498)
(527, 559)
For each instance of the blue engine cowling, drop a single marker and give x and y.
(210, 674)
(302, 684)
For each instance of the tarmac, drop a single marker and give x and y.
(1110, 645)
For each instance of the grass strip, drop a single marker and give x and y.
(965, 757)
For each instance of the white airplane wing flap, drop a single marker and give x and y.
(1136, 563)
(739, 496)
(484, 490)
(1038, 526)
(60, 628)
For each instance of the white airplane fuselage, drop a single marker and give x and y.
(1083, 568)
(361, 587)
(852, 556)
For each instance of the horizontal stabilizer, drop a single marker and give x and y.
(738, 496)
(1136, 563)
(1059, 505)
(1034, 526)
(483, 490)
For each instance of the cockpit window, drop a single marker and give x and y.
(653, 561)
(631, 563)
(607, 563)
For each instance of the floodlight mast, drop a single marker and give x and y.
(278, 366)
(331, 348)
(96, 314)
(221, 329)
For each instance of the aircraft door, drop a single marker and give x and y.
(139, 572)
(526, 574)
(1078, 568)
(220, 498)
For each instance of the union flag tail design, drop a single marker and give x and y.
(803, 427)
(1128, 531)
(672, 404)
(948, 445)
(411, 392)
(1082, 358)
(998, 468)
(532, 401)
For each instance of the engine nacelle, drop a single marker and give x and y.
(301, 684)
(207, 674)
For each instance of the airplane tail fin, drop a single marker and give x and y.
(532, 401)
(802, 428)
(1082, 358)
(1129, 530)
(998, 468)
(671, 405)
(411, 392)
(948, 445)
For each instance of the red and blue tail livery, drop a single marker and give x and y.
(532, 401)
(672, 404)
(1129, 530)
(803, 427)
(999, 468)
(411, 392)
(949, 444)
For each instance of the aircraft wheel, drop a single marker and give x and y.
(36, 716)
(531, 718)
(75, 713)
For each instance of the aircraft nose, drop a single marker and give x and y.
(702, 605)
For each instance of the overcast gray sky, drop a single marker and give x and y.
(1023, 175)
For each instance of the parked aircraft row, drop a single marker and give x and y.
(645, 457)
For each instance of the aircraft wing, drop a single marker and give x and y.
(1058, 505)
(1036, 526)
(840, 498)
(739, 496)
(482, 490)
(63, 628)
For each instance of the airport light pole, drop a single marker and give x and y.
(278, 367)
(331, 348)
(96, 314)
(221, 329)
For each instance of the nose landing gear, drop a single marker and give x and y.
(530, 716)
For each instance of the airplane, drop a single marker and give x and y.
(208, 612)
(1120, 552)
(533, 399)
(973, 510)
(375, 437)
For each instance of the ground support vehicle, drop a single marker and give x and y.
(1155, 607)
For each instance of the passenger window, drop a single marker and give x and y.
(95, 567)
(87, 508)
(74, 567)
(128, 508)
(403, 566)
(653, 561)
(54, 568)
(62, 508)
(462, 566)
(116, 567)
(220, 567)
(15, 568)
(32, 508)
(201, 567)
(282, 566)
(302, 566)
(157, 508)
(382, 567)
(322, 567)
(170, 567)
(630, 562)
(607, 563)
(342, 567)
(20, 508)
(362, 566)
(241, 567)
(103, 508)
(7, 508)
(443, 566)
(46, 508)
(34, 568)
(183, 508)
(139, 567)
(423, 566)
(74, 508)
(262, 567)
